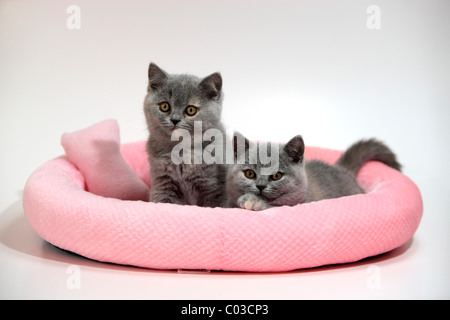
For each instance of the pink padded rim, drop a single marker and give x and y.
(168, 236)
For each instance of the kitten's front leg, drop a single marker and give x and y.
(164, 190)
(250, 201)
(164, 198)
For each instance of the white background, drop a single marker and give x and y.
(289, 67)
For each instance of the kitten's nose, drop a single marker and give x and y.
(260, 187)
(174, 121)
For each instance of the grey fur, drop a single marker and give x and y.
(365, 150)
(193, 184)
(303, 181)
(290, 190)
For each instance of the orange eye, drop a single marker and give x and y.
(164, 107)
(250, 174)
(276, 176)
(191, 110)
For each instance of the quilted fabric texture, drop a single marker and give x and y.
(168, 236)
(96, 152)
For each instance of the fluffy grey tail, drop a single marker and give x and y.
(366, 150)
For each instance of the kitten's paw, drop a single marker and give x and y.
(252, 202)
(260, 205)
(246, 201)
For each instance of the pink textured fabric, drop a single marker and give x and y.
(96, 152)
(169, 236)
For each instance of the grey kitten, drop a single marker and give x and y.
(175, 101)
(299, 181)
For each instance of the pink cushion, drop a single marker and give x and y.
(169, 236)
(96, 152)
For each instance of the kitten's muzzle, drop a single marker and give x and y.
(260, 187)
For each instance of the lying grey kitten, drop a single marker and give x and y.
(298, 181)
(175, 102)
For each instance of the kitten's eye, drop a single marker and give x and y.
(250, 174)
(276, 176)
(191, 110)
(164, 107)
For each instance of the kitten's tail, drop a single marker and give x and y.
(365, 150)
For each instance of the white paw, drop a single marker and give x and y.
(251, 202)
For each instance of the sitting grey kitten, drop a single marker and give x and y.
(298, 181)
(175, 102)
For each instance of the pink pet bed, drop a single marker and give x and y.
(92, 201)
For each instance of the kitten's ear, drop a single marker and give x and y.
(211, 86)
(295, 149)
(240, 146)
(156, 77)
